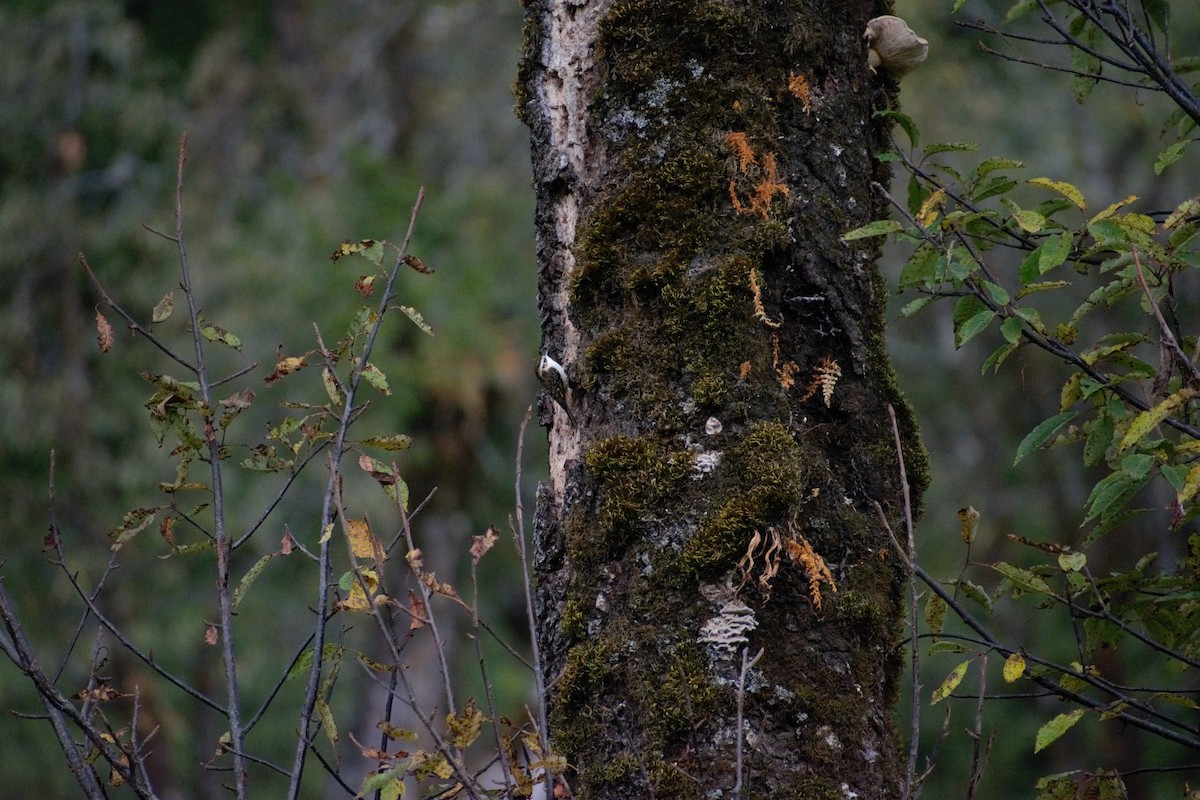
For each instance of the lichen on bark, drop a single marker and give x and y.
(696, 163)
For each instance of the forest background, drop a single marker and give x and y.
(314, 122)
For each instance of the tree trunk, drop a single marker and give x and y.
(696, 162)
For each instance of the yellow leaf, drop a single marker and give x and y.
(363, 542)
(1146, 421)
(1065, 189)
(930, 208)
(1014, 667)
(1108, 212)
(357, 601)
(950, 684)
(465, 726)
(1190, 484)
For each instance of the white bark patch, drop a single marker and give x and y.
(567, 84)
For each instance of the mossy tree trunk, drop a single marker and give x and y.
(696, 162)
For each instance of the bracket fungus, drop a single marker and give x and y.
(893, 47)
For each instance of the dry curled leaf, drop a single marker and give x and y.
(419, 265)
(104, 333)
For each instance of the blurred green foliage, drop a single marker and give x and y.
(308, 123)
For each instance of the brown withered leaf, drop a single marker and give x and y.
(239, 400)
(365, 285)
(419, 265)
(483, 542)
(210, 634)
(166, 529)
(99, 693)
(377, 470)
(286, 366)
(287, 543)
(104, 333)
(416, 610)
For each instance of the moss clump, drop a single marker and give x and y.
(632, 475)
(676, 696)
(588, 670)
(763, 478)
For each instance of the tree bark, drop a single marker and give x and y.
(696, 162)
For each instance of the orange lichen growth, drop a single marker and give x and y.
(800, 89)
(744, 371)
(759, 169)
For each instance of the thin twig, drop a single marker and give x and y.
(539, 674)
(221, 539)
(747, 664)
(1164, 330)
(914, 737)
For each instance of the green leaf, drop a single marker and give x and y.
(1020, 9)
(304, 662)
(957, 5)
(397, 441)
(1011, 328)
(1071, 562)
(215, 333)
(1056, 727)
(162, 312)
(973, 591)
(998, 293)
(1159, 12)
(1148, 420)
(1054, 251)
(1099, 437)
(416, 317)
(1023, 578)
(1137, 465)
(1110, 495)
(998, 357)
(913, 306)
(949, 684)
(1065, 189)
(1082, 60)
(970, 317)
(921, 267)
(374, 376)
(1028, 221)
(1043, 286)
(950, 147)
(382, 781)
(990, 165)
(1169, 155)
(249, 578)
(880, 227)
(905, 122)
(1041, 434)
(972, 327)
